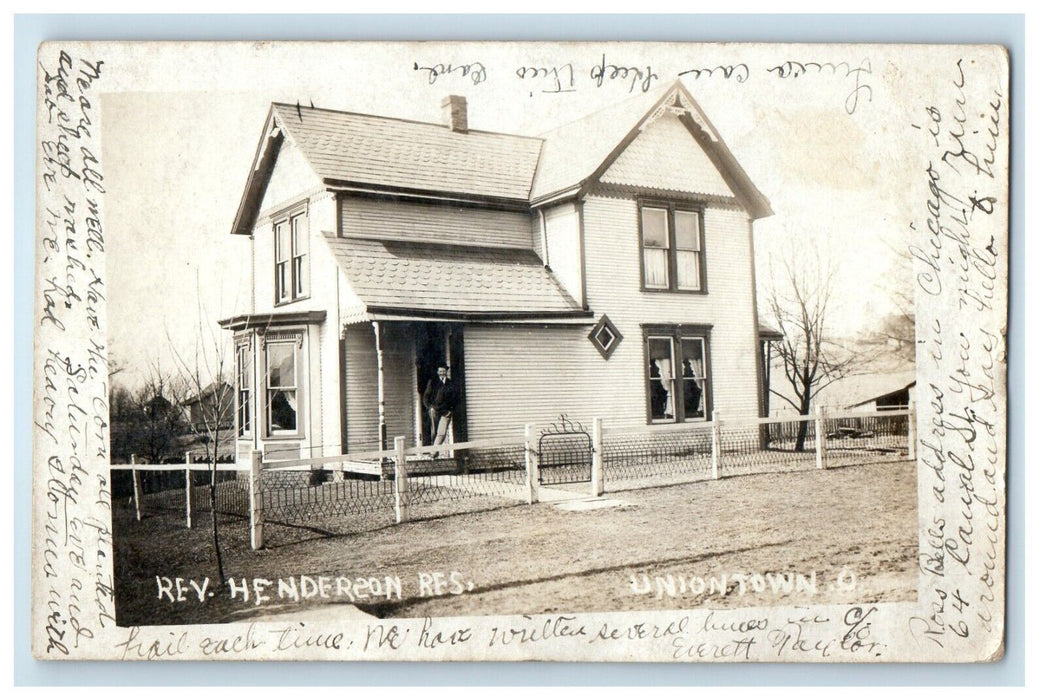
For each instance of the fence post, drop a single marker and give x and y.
(136, 483)
(716, 447)
(401, 499)
(819, 436)
(188, 492)
(254, 492)
(911, 430)
(597, 456)
(531, 462)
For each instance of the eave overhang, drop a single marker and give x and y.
(273, 320)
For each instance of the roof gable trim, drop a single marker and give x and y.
(679, 102)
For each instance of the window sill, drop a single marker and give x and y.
(655, 290)
(288, 302)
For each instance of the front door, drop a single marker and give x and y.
(440, 344)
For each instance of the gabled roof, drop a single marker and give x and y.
(417, 279)
(859, 389)
(209, 392)
(415, 158)
(362, 148)
(576, 155)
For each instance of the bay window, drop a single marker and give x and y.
(282, 363)
(243, 388)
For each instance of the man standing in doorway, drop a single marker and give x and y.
(440, 398)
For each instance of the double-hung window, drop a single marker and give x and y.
(243, 388)
(291, 253)
(673, 248)
(677, 374)
(281, 387)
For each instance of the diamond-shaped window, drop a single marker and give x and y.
(605, 336)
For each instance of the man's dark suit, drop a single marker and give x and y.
(440, 398)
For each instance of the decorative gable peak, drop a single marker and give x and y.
(678, 104)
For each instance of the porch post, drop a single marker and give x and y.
(258, 390)
(382, 441)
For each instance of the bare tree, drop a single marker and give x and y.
(145, 421)
(896, 335)
(203, 372)
(801, 304)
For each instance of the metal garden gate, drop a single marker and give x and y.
(564, 453)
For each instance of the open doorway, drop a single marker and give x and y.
(436, 345)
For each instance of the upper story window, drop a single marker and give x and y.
(291, 236)
(673, 249)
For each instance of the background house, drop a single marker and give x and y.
(605, 268)
(215, 401)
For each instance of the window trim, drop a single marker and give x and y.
(671, 207)
(287, 217)
(677, 333)
(296, 340)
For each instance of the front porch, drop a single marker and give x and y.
(386, 366)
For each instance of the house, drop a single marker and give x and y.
(886, 392)
(602, 269)
(214, 401)
(867, 392)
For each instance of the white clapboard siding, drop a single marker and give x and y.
(400, 388)
(516, 375)
(361, 386)
(291, 175)
(537, 237)
(613, 285)
(564, 248)
(433, 223)
(666, 156)
(361, 390)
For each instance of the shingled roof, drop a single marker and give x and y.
(415, 279)
(361, 148)
(410, 157)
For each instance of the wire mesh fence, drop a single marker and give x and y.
(863, 439)
(161, 490)
(299, 494)
(378, 488)
(781, 446)
(632, 456)
(498, 472)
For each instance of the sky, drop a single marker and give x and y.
(181, 122)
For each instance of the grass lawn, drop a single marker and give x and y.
(541, 558)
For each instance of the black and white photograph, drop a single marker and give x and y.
(521, 351)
